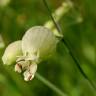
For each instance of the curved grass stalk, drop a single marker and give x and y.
(66, 43)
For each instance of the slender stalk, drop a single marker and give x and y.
(67, 46)
(50, 85)
(65, 42)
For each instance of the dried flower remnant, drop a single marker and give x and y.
(30, 72)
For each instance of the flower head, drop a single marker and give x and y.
(37, 44)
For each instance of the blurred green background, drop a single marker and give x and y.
(79, 28)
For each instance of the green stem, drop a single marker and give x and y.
(50, 85)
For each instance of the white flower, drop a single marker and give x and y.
(37, 44)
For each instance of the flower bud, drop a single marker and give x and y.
(11, 52)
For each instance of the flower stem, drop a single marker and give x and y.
(50, 85)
